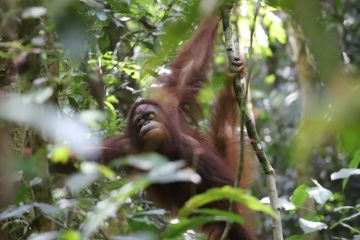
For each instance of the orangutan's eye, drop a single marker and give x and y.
(151, 116)
(140, 122)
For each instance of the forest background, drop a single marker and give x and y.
(71, 70)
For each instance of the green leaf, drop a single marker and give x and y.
(70, 235)
(216, 212)
(60, 155)
(339, 5)
(112, 99)
(355, 161)
(226, 192)
(110, 110)
(295, 237)
(350, 136)
(73, 102)
(275, 25)
(175, 32)
(270, 79)
(23, 194)
(109, 206)
(299, 196)
(107, 172)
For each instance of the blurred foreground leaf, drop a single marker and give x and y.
(344, 173)
(319, 193)
(34, 12)
(19, 211)
(46, 120)
(14, 211)
(310, 226)
(43, 236)
(79, 181)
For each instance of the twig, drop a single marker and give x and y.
(229, 44)
(241, 97)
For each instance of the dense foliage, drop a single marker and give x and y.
(70, 70)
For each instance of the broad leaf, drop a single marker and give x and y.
(355, 161)
(15, 212)
(47, 209)
(319, 193)
(224, 193)
(79, 181)
(344, 173)
(299, 196)
(216, 212)
(310, 226)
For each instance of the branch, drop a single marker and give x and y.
(246, 121)
(229, 45)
